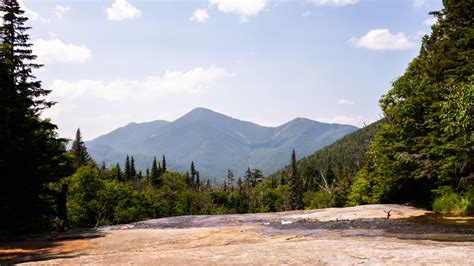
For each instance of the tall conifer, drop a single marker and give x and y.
(31, 154)
(295, 193)
(79, 150)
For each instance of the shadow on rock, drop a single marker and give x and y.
(426, 227)
(46, 246)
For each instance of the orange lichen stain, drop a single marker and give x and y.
(38, 249)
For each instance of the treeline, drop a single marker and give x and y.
(104, 196)
(422, 152)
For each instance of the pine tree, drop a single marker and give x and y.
(127, 170)
(79, 150)
(295, 193)
(163, 164)
(118, 172)
(160, 170)
(31, 154)
(422, 146)
(154, 174)
(103, 167)
(230, 178)
(198, 181)
(192, 172)
(133, 171)
(239, 185)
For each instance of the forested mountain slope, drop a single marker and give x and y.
(215, 142)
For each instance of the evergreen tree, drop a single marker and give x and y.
(427, 140)
(295, 193)
(230, 178)
(128, 169)
(193, 172)
(31, 154)
(154, 174)
(160, 170)
(117, 172)
(198, 181)
(163, 165)
(133, 171)
(239, 185)
(79, 150)
(103, 167)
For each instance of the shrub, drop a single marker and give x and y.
(452, 203)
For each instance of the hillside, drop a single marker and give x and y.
(344, 157)
(215, 142)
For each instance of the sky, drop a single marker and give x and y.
(112, 62)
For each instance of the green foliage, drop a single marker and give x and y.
(85, 197)
(295, 189)
(79, 151)
(32, 156)
(427, 141)
(317, 200)
(338, 163)
(452, 203)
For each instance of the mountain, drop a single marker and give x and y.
(340, 162)
(215, 143)
(344, 157)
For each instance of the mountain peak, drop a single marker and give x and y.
(202, 110)
(200, 113)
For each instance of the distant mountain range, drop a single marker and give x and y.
(215, 143)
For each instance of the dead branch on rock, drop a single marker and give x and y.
(388, 214)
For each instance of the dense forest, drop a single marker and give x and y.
(420, 153)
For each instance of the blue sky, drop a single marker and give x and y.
(111, 62)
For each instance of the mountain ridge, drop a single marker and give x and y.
(215, 142)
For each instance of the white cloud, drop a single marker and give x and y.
(382, 39)
(430, 21)
(419, 3)
(193, 81)
(121, 10)
(54, 50)
(243, 8)
(200, 15)
(32, 14)
(101, 105)
(306, 14)
(60, 10)
(334, 2)
(344, 102)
